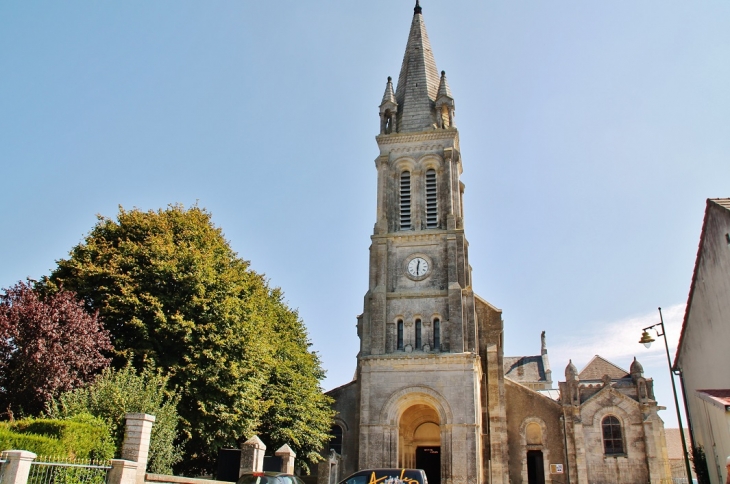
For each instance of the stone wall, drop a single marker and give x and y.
(347, 405)
(525, 407)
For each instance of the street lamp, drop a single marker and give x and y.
(647, 340)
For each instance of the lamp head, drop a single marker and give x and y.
(646, 339)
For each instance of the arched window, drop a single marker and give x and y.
(613, 442)
(336, 439)
(432, 211)
(405, 200)
(418, 334)
(436, 334)
(400, 334)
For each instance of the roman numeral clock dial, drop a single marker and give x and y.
(418, 268)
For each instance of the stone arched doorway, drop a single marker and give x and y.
(419, 435)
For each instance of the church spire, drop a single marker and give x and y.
(418, 82)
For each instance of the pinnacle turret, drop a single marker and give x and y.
(389, 94)
(388, 109)
(444, 89)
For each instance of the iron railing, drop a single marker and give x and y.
(45, 470)
(3, 461)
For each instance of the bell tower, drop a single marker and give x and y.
(429, 370)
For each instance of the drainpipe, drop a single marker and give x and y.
(565, 448)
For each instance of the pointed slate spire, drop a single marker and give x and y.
(389, 95)
(418, 81)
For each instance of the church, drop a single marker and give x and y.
(433, 389)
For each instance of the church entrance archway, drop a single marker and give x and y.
(419, 430)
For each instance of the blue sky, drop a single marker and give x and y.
(591, 135)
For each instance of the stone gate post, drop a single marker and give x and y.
(287, 458)
(252, 455)
(136, 444)
(17, 468)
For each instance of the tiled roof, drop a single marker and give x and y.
(598, 366)
(674, 443)
(551, 393)
(723, 202)
(719, 397)
(720, 202)
(524, 368)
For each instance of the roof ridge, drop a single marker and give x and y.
(596, 357)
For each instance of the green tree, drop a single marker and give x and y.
(173, 293)
(115, 393)
(300, 414)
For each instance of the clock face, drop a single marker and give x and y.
(418, 266)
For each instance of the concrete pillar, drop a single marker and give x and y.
(328, 470)
(136, 444)
(287, 458)
(17, 467)
(252, 456)
(123, 472)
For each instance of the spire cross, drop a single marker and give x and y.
(417, 8)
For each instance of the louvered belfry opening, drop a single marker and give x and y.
(405, 200)
(432, 211)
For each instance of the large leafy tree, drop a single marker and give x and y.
(47, 345)
(300, 414)
(173, 294)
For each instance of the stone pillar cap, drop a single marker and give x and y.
(22, 454)
(139, 416)
(285, 449)
(256, 442)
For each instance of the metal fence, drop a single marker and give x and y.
(3, 461)
(52, 470)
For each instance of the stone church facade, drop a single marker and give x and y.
(430, 389)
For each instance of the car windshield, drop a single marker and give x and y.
(384, 476)
(259, 480)
(290, 480)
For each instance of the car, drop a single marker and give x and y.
(387, 476)
(268, 478)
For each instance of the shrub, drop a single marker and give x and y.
(82, 437)
(117, 392)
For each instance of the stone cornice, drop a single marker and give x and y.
(418, 359)
(386, 139)
(416, 236)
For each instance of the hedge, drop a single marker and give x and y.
(82, 437)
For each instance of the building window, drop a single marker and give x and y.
(405, 200)
(436, 334)
(418, 334)
(613, 442)
(400, 334)
(431, 200)
(336, 439)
